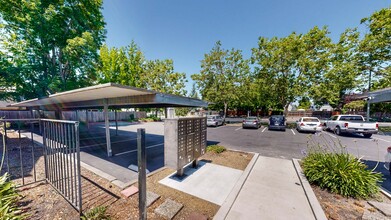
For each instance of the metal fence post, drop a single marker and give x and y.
(142, 164)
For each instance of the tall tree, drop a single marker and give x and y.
(52, 45)
(289, 66)
(193, 92)
(123, 65)
(375, 48)
(159, 75)
(342, 75)
(222, 73)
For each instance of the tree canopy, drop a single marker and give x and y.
(50, 46)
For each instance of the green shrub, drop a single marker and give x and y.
(150, 118)
(215, 148)
(98, 213)
(8, 200)
(340, 172)
(385, 129)
(131, 117)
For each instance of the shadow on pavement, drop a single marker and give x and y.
(386, 184)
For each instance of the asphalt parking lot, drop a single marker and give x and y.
(279, 144)
(292, 144)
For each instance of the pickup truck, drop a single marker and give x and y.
(351, 124)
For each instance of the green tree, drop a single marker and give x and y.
(222, 74)
(123, 65)
(193, 92)
(342, 75)
(51, 45)
(288, 67)
(304, 103)
(159, 75)
(375, 48)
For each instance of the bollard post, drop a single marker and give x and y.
(142, 179)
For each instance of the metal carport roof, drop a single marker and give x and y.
(111, 94)
(382, 95)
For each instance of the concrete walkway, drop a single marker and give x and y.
(272, 190)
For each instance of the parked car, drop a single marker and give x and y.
(351, 124)
(214, 120)
(309, 124)
(277, 122)
(251, 122)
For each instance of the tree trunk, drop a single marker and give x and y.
(286, 110)
(225, 109)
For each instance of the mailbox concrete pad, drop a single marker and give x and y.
(210, 182)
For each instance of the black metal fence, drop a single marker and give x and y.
(53, 155)
(62, 160)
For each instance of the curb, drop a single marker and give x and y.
(385, 192)
(226, 206)
(309, 193)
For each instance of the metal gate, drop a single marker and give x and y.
(62, 159)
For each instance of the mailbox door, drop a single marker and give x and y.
(197, 145)
(203, 142)
(181, 151)
(190, 147)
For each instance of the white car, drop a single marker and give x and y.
(214, 120)
(310, 124)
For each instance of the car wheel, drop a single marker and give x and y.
(337, 131)
(367, 135)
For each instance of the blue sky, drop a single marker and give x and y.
(185, 30)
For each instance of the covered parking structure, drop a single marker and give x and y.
(105, 96)
(382, 95)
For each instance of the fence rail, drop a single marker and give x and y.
(60, 151)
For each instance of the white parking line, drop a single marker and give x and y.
(238, 128)
(381, 139)
(293, 132)
(131, 151)
(264, 129)
(325, 132)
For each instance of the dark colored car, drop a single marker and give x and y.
(251, 122)
(277, 122)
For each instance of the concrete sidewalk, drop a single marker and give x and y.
(272, 190)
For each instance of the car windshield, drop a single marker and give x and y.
(251, 118)
(310, 120)
(211, 117)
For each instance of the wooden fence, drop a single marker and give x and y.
(93, 116)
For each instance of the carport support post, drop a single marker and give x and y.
(107, 127)
(116, 122)
(142, 178)
(87, 120)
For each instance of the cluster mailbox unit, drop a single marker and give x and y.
(184, 141)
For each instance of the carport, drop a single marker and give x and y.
(105, 96)
(382, 95)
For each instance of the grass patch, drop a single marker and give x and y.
(216, 149)
(97, 213)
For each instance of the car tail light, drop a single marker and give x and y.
(320, 125)
(302, 124)
(346, 125)
(377, 126)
